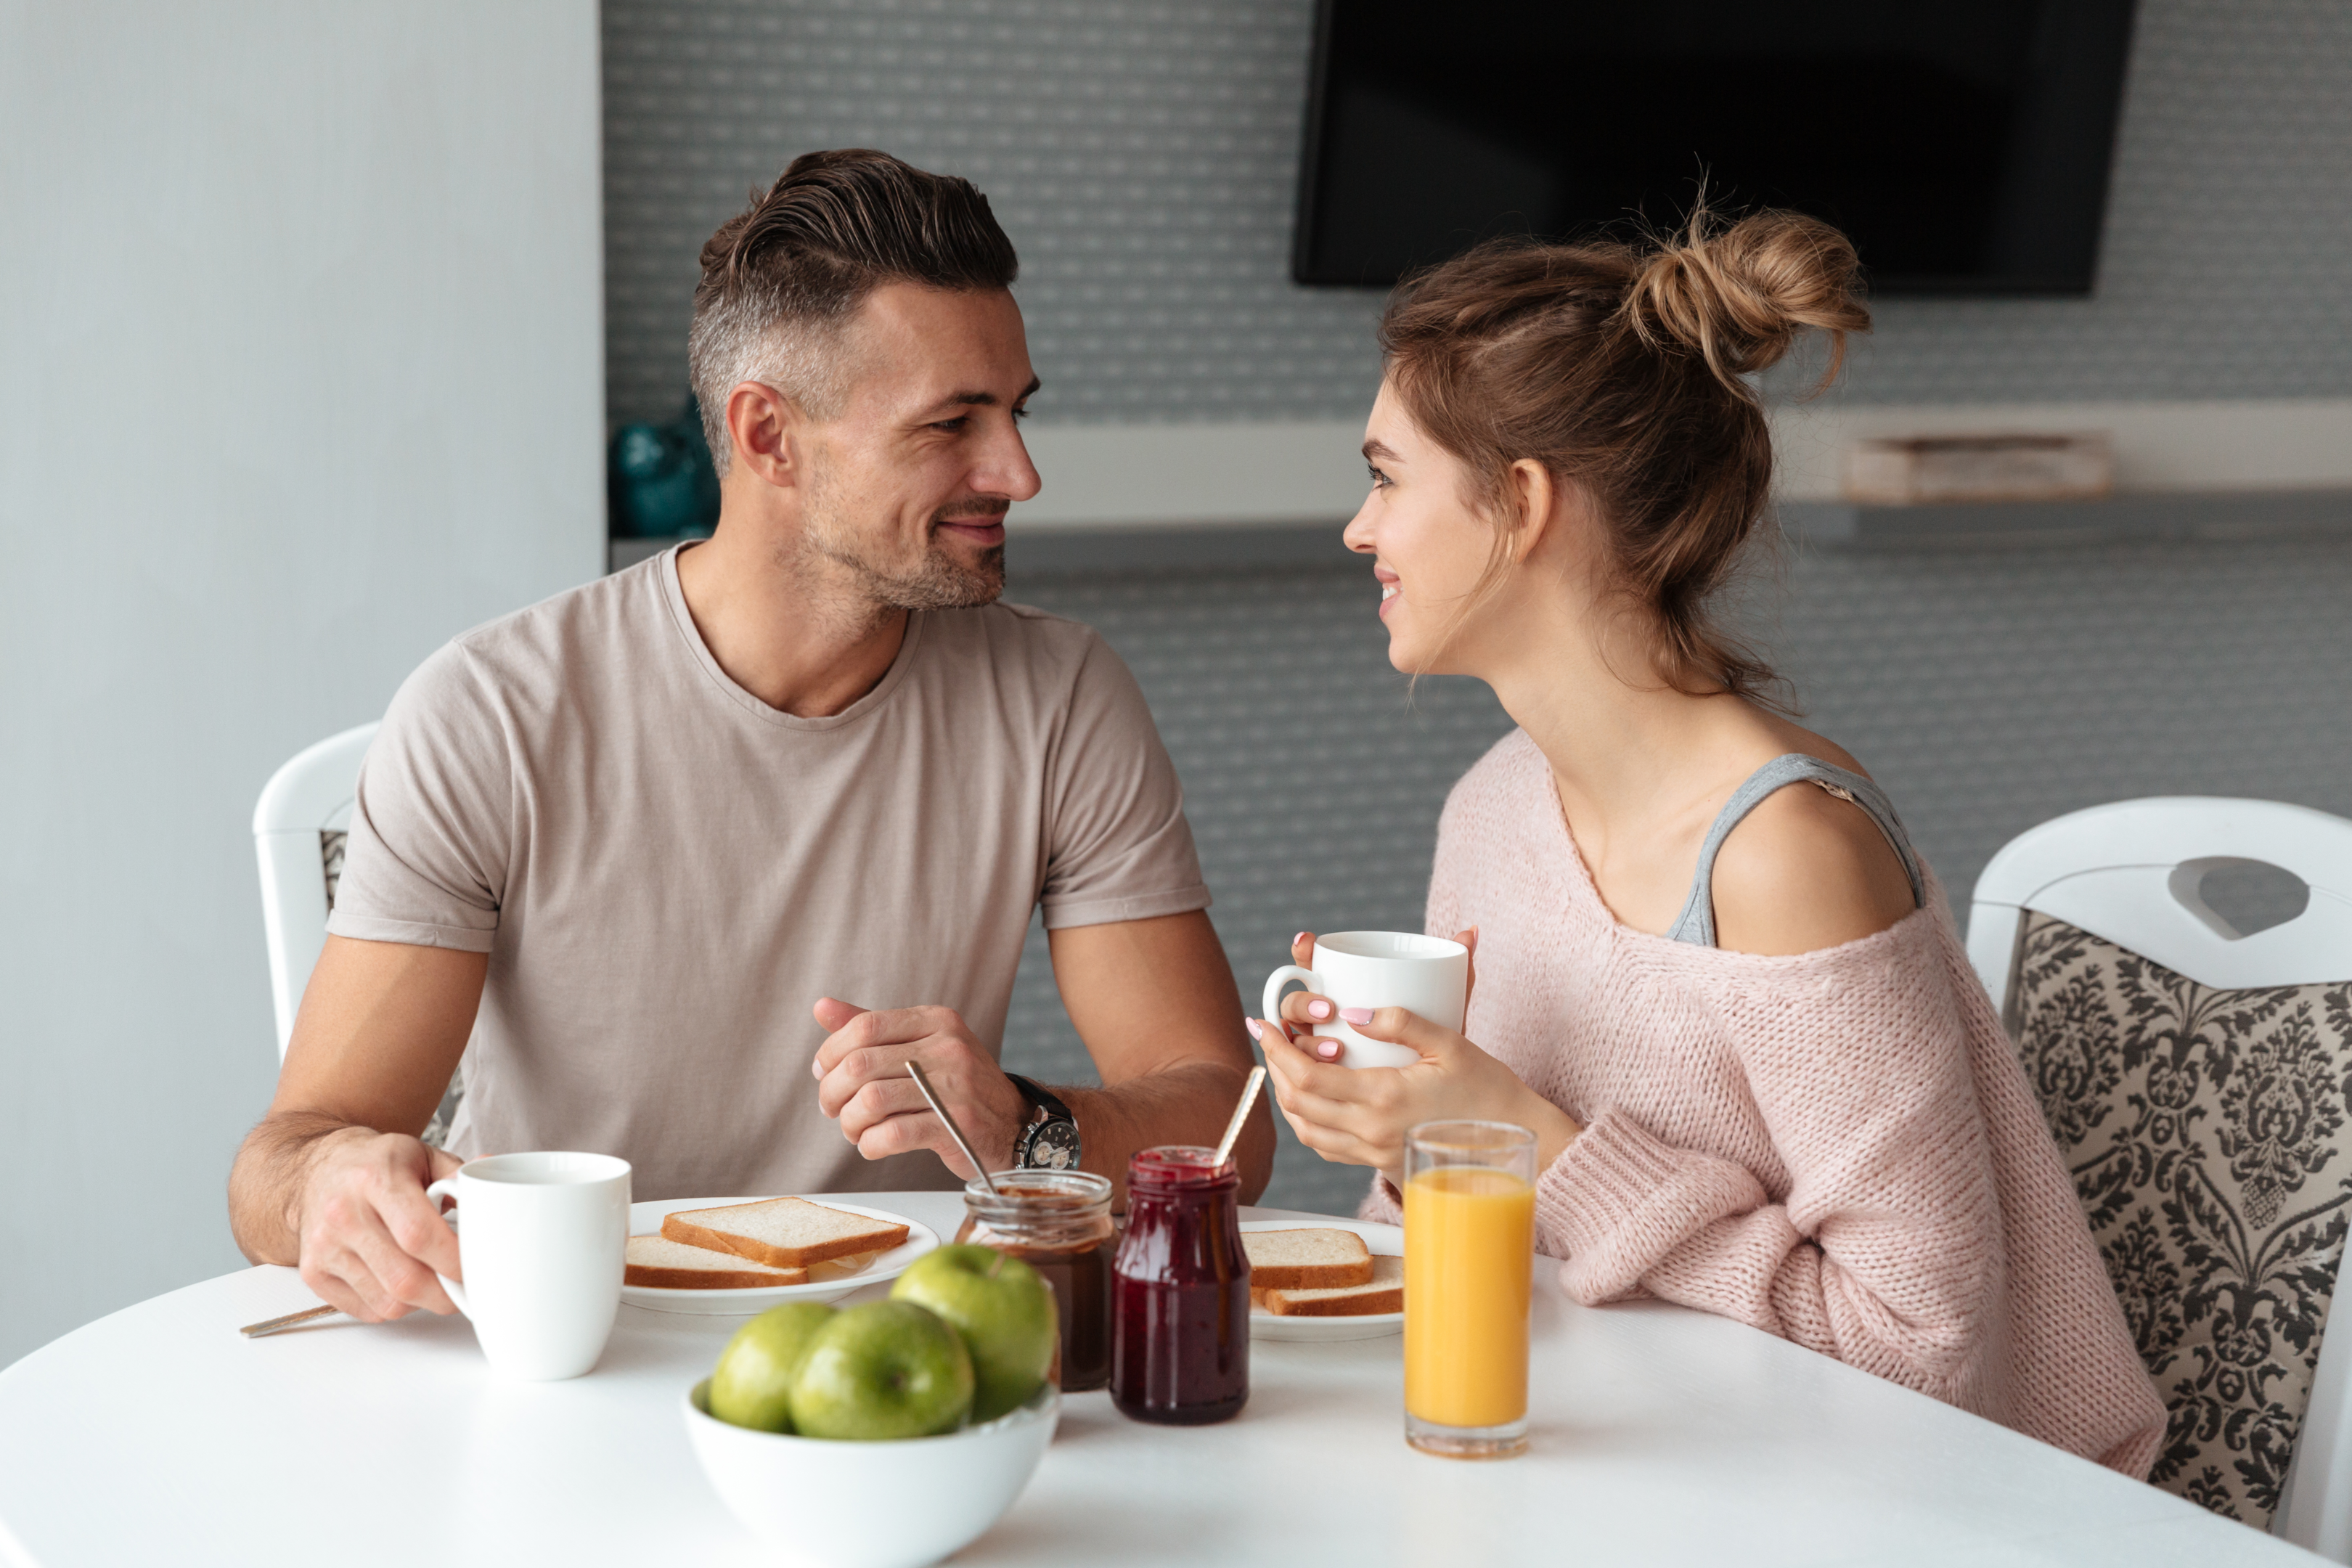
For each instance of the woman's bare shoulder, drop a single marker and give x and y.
(1807, 870)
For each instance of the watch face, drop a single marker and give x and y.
(1052, 1146)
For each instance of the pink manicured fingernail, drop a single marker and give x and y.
(1298, 938)
(1355, 1014)
(1251, 1025)
(1328, 1049)
(1319, 1009)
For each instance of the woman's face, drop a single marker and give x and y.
(1429, 549)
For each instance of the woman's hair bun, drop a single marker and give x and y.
(1738, 294)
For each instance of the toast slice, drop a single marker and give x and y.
(785, 1232)
(1301, 1259)
(1384, 1293)
(669, 1264)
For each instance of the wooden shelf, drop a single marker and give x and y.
(1060, 550)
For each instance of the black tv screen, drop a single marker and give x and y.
(1964, 147)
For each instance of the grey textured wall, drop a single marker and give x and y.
(1988, 691)
(1143, 153)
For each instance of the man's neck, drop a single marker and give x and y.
(786, 631)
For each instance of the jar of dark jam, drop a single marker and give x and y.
(1058, 1223)
(1179, 1292)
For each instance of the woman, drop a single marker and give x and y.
(1714, 977)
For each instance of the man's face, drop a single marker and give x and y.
(908, 484)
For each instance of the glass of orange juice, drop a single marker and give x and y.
(1469, 1262)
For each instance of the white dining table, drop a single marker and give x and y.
(1659, 1437)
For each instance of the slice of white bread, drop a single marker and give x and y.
(669, 1264)
(789, 1233)
(1384, 1293)
(1295, 1260)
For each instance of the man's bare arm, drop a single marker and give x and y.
(1154, 1002)
(333, 1179)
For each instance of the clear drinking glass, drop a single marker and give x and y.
(1469, 1262)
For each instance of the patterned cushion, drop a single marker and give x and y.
(331, 859)
(2207, 1133)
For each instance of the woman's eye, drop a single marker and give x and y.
(1380, 479)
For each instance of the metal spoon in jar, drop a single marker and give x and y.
(1241, 1113)
(954, 1132)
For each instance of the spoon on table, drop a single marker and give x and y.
(948, 1121)
(291, 1320)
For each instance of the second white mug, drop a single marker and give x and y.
(543, 1239)
(1428, 976)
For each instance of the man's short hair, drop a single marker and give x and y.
(782, 278)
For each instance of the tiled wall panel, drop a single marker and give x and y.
(1988, 692)
(1143, 155)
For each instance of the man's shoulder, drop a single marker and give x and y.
(527, 653)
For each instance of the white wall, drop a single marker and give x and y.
(301, 372)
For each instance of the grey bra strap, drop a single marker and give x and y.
(1697, 923)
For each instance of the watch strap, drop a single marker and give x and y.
(1043, 1099)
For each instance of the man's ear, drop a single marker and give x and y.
(762, 423)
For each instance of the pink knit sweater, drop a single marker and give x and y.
(1837, 1147)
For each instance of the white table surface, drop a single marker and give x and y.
(1659, 1437)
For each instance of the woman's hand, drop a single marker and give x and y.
(1359, 1116)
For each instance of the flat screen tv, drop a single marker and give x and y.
(1965, 147)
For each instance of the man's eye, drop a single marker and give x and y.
(1020, 414)
(951, 425)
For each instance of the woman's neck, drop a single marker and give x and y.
(1639, 767)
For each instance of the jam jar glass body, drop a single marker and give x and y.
(1179, 1292)
(1058, 1223)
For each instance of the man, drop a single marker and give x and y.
(687, 861)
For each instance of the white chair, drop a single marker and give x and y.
(2092, 1022)
(297, 829)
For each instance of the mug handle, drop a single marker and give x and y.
(447, 1187)
(1282, 977)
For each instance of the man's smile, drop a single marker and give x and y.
(982, 530)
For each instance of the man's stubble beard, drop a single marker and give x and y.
(939, 582)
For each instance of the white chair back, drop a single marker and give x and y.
(2130, 874)
(304, 802)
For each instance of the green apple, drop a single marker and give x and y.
(753, 1384)
(883, 1370)
(1003, 1309)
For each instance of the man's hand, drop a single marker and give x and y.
(317, 1184)
(861, 1071)
(370, 1241)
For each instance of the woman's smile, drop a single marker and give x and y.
(1390, 586)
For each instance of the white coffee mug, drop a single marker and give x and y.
(1424, 975)
(542, 1239)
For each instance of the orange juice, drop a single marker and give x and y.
(1469, 1257)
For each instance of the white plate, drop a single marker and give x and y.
(1383, 1240)
(827, 1282)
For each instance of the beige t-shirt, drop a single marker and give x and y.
(666, 872)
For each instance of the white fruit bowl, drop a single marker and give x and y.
(826, 1504)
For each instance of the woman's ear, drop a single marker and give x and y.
(1537, 496)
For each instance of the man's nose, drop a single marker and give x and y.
(1005, 468)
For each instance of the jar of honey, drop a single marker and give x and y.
(1058, 1223)
(1179, 1292)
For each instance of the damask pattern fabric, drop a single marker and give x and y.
(2207, 1134)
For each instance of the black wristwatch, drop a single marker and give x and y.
(1050, 1141)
